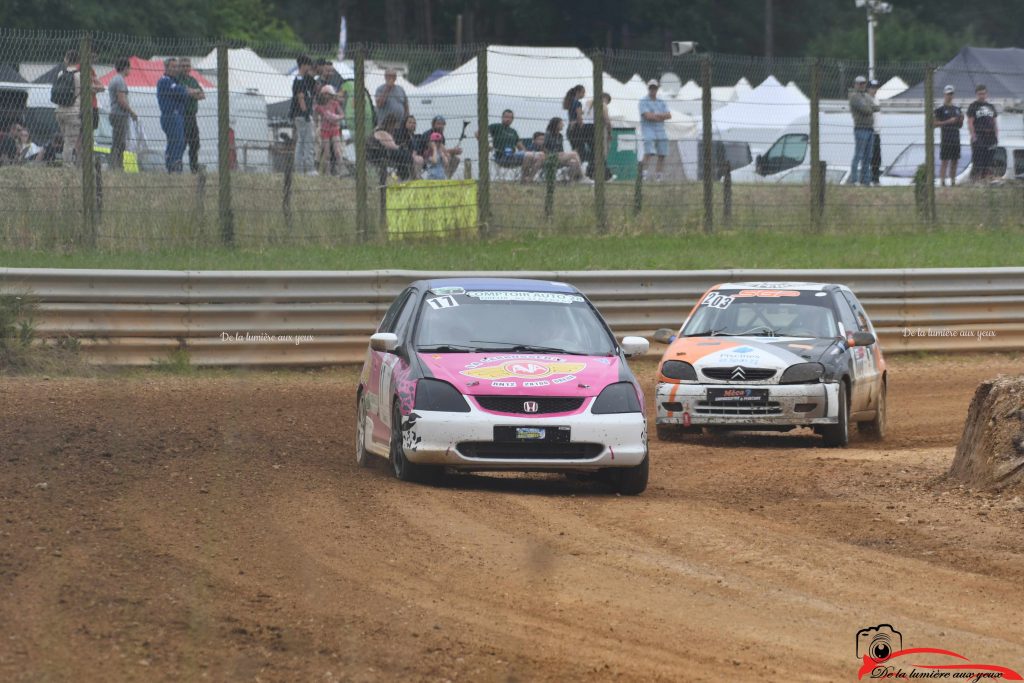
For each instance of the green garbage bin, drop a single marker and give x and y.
(622, 157)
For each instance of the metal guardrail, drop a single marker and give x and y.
(129, 317)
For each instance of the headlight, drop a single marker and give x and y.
(677, 369)
(803, 373)
(433, 394)
(617, 398)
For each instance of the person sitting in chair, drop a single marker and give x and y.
(509, 151)
(383, 151)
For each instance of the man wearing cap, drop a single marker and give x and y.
(862, 108)
(876, 139)
(653, 115)
(981, 121)
(950, 119)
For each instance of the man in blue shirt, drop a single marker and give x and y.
(172, 97)
(653, 114)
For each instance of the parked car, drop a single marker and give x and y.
(773, 356)
(1007, 163)
(501, 374)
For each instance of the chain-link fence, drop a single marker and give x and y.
(188, 144)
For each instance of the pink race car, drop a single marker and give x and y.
(501, 374)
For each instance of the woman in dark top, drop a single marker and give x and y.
(554, 144)
(580, 135)
(382, 150)
(406, 138)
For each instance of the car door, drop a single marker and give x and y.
(848, 319)
(382, 367)
(871, 368)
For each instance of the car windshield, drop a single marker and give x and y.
(542, 322)
(763, 312)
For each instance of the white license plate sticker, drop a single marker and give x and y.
(529, 433)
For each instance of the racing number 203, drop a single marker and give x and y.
(716, 300)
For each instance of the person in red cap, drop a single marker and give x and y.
(435, 158)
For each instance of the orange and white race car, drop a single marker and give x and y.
(773, 356)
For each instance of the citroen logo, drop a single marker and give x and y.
(739, 373)
(530, 407)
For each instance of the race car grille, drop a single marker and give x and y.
(739, 373)
(739, 408)
(536, 450)
(530, 405)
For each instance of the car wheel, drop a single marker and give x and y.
(362, 455)
(403, 469)
(631, 481)
(875, 429)
(838, 435)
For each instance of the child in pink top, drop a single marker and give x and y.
(330, 114)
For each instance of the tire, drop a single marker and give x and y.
(838, 435)
(401, 467)
(631, 481)
(362, 455)
(875, 429)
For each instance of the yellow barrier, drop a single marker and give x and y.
(130, 159)
(431, 208)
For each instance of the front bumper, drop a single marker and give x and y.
(788, 405)
(466, 441)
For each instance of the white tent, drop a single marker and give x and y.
(894, 86)
(690, 91)
(248, 73)
(742, 88)
(758, 117)
(795, 89)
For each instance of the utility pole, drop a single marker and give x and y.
(769, 30)
(873, 8)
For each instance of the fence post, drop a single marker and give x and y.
(227, 217)
(598, 166)
(638, 189)
(550, 169)
(929, 146)
(706, 169)
(289, 178)
(817, 177)
(359, 92)
(483, 188)
(85, 148)
(727, 196)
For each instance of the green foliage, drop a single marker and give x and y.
(898, 37)
(17, 329)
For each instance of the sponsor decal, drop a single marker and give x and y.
(541, 383)
(766, 293)
(882, 655)
(533, 297)
(716, 300)
(443, 302)
(504, 385)
(772, 285)
(516, 356)
(805, 347)
(525, 369)
(447, 291)
(743, 349)
(563, 380)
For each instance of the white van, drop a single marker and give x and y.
(1007, 162)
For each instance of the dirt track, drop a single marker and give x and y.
(217, 527)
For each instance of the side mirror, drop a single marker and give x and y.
(862, 339)
(385, 342)
(664, 336)
(635, 346)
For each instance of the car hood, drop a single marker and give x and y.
(524, 374)
(760, 352)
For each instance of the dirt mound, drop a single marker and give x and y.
(991, 451)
